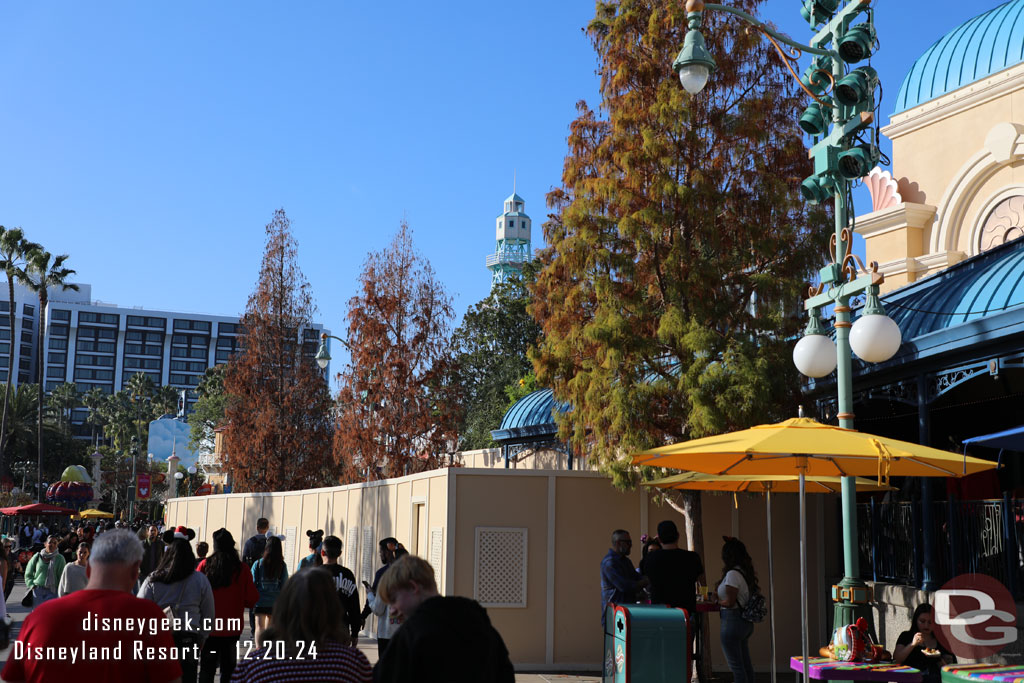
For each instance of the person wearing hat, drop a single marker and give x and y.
(233, 591)
(175, 583)
(387, 556)
(316, 539)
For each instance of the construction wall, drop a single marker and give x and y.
(528, 544)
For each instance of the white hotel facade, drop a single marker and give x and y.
(99, 344)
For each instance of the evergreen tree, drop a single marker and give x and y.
(679, 247)
(397, 408)
(491, 348)
(208, 411)
(279, 435)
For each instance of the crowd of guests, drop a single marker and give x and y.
(305, 624)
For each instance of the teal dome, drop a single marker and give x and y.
(982, 46)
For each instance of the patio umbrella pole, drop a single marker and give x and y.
(771, 577)
(803, 572)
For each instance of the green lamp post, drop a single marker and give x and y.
(844, 149)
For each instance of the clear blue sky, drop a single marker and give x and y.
(152, 141)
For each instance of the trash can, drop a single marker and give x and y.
(645, 644)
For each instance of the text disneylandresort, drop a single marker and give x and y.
(138, 649)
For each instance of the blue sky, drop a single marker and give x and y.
(152, 141)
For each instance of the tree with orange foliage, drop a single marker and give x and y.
(279, 434)
(398, 406)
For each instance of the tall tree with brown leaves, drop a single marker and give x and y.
(679, 246)
(398, 408)
(278, 435)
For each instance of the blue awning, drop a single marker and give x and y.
(1010, 439)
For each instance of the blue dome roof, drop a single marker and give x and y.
(533, 410)
(988, 43)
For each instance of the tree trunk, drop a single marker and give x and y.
(687, 503)
(39, 378)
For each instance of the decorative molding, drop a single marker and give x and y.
(953, 103)
(883, 188)
(942, 259)
(900, 266)
(897, 217)
(965, 184)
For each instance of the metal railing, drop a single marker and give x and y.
(970, 536)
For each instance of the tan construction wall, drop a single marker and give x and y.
(568, 518)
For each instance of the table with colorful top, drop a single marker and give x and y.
(976, 673)
(825, 669)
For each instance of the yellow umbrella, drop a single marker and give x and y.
(809, 448)
(93, 514)
(774, 483)
(821, 450)
(768, 484)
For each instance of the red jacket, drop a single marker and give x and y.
(231, 600)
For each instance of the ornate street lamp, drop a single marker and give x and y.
(323, 356)
(191, 477)
(845, 137)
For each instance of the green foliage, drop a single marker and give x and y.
(208, 411)
(520, 389)
(491, 348)
(678, 246)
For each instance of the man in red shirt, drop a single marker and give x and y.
(100, 633)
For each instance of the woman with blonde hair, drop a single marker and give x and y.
(306, 639)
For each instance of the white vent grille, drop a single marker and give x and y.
(437, 552)
(368, 554)
(500, 576)
(351, 547)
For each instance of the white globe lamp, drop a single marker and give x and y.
(875, 337)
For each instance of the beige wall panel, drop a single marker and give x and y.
(216, 512)
(252, 511)
(310, 519)
(235, 506)
(587, 510)
(339, 513)
(508, 501)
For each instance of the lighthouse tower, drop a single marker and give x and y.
(513, 241)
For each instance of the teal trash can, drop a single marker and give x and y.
(645, 644)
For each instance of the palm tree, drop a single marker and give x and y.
(63, 400)
(13, 250)
(94, 400)
(43, 271)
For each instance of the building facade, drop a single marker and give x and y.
(97, 344)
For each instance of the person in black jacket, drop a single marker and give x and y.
(387, 555)
(345, 582)
(252, 551)
(442, 639)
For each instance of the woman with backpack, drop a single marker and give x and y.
(738, 584)
(185, 595)
(233, 591)
(269, 574)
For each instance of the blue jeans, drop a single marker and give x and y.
(41, 595)
(736, 632)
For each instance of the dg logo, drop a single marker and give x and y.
(975, 616)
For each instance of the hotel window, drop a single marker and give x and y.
(28, 310)
(61, 315)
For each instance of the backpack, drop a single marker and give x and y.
(757, 607)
